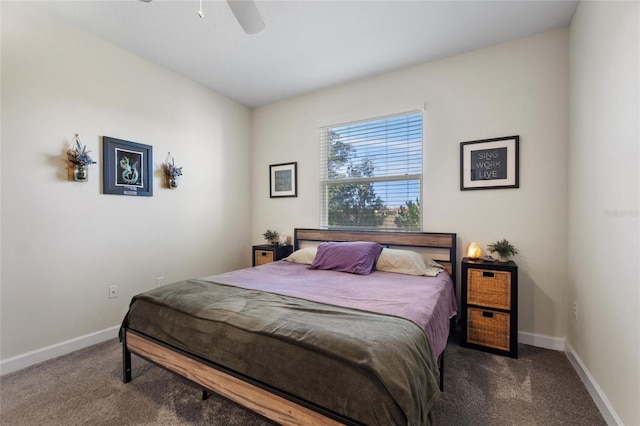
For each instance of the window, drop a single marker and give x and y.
(371, 174)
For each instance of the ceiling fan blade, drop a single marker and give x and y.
(247, 15)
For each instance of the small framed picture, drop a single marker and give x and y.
(283, 180)
(127, 167)
(490, 163)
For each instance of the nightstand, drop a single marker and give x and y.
(268, 253)
(490, 306)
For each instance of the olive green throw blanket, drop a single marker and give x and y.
(373, 368)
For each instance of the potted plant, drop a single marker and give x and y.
(80, 158)
(271, 236)
(172, 172)
(504, 249)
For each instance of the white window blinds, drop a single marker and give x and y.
(371, 174)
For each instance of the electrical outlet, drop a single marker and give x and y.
(575, 310)
(113, 291)
(159, 281)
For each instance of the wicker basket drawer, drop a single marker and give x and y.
(262, 257)
(488, 328)
(489, 288)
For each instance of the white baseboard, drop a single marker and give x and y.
(603, 404)
(30, 358)
(560, 344)
(542, 341)
(34, 357)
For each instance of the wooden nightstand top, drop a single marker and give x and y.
(266, 247)
(487, 264)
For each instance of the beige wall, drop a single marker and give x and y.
(603, 204)
(515, 88)
(64, 243)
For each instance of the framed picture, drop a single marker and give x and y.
(127, 167)
(283, 180)
(489, 163)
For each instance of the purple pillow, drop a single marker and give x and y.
(356, 257)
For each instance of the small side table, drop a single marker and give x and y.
(268, 253)
(490, 306)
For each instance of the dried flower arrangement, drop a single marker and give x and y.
(79, 154)
(170, 168)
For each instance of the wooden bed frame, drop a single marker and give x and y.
(278, 406)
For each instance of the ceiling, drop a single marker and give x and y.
(307, 45)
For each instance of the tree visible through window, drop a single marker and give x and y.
(371, 174)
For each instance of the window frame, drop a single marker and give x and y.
(326, 182)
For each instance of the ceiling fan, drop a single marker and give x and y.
(246, 13)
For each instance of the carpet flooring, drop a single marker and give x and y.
(85, 388)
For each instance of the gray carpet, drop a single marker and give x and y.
(85, 388)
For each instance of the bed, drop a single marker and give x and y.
(304, 342)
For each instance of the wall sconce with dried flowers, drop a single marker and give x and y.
(79, 156)
(171, 171)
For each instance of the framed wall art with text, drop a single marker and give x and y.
(490, 163)
(283, 180)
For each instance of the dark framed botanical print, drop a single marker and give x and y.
(490, 163)
(127, 167)
(283, 180)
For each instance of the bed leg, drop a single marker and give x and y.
(205, 394)
(126, 361)
(441, 368)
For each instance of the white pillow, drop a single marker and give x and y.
(304, 256)
(406, 262)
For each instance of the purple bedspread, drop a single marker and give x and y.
(427, 301)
